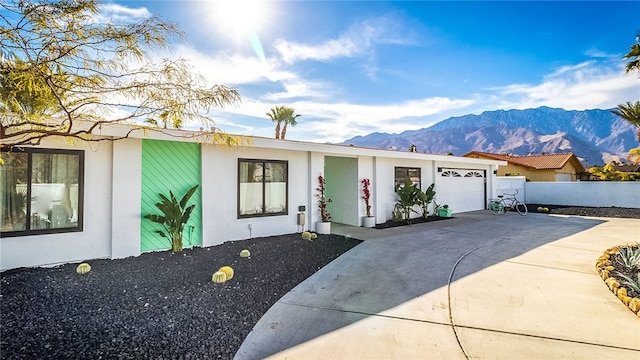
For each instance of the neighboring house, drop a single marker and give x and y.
(88, 200)
(631, 168)
(548, 167)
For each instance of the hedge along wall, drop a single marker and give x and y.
(170, 166)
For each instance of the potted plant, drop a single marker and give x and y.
(324, 226)
(444, 211)
(368, 220)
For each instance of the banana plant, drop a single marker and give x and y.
(408, 198)
(174, 217)
(425, 198)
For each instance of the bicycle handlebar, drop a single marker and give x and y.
(516, 193)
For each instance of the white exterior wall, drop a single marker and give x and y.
(585, 193)
(220, 188)
(385, 188)
(126, 203)
(112, 195)
(91, 243)
(509, 184)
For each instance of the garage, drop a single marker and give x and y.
(462, 189)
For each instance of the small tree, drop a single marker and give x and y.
(60, 64)
(174, 217)
(323, 200)
(609, 173)
(366, 195)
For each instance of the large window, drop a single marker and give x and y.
(41, 191)
(262, 187)
(403, 172)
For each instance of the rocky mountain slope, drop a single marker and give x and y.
(595, 136)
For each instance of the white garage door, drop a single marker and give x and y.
(462, 190)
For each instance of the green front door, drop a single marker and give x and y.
(170, 166)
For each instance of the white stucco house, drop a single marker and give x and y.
(87, 200)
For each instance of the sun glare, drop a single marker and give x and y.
(239, 18)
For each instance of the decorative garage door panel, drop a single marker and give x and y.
(462, 190)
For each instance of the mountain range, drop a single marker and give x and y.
(596, 136)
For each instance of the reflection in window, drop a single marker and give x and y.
(41, 191)
(401, 174)
(262, 187)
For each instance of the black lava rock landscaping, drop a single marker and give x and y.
(613, 211)
(156, 306)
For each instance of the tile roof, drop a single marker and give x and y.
(539, 162)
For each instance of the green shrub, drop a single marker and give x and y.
(174, 216)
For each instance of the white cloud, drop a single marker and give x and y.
(121, 14)
(356, 41)
(583, 86)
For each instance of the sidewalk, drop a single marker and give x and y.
(521, 288)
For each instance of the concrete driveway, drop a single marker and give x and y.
(477, 286)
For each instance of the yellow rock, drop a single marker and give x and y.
(83, 268)
(613, 284)
(622, 293)
(610, 268)
(219, 277)
(604, 274)
(227, 270)
(626, 300)
(634, 305)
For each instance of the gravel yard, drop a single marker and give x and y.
(162, 305)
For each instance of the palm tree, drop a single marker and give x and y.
(282, 114)
(633, 56)
(276, 116)
(630, 112)
(289, 119)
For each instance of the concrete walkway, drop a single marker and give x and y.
(477, 286)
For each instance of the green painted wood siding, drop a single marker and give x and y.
(170, 166)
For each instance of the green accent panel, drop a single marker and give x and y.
(170, 166)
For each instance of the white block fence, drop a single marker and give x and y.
(578, 193)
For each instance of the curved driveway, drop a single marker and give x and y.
(476, 286)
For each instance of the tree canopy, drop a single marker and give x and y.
(61, 64)
(633, 56)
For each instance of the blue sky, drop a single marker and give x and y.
(352, 68)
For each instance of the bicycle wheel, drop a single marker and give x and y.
(496, 207)
(521, 208)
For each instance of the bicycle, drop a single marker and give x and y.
(510, 202)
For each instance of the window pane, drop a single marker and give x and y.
(54, 191)
(13, 201)
(414, 175)
(401, 174)
(251, 175)
(275, 187)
